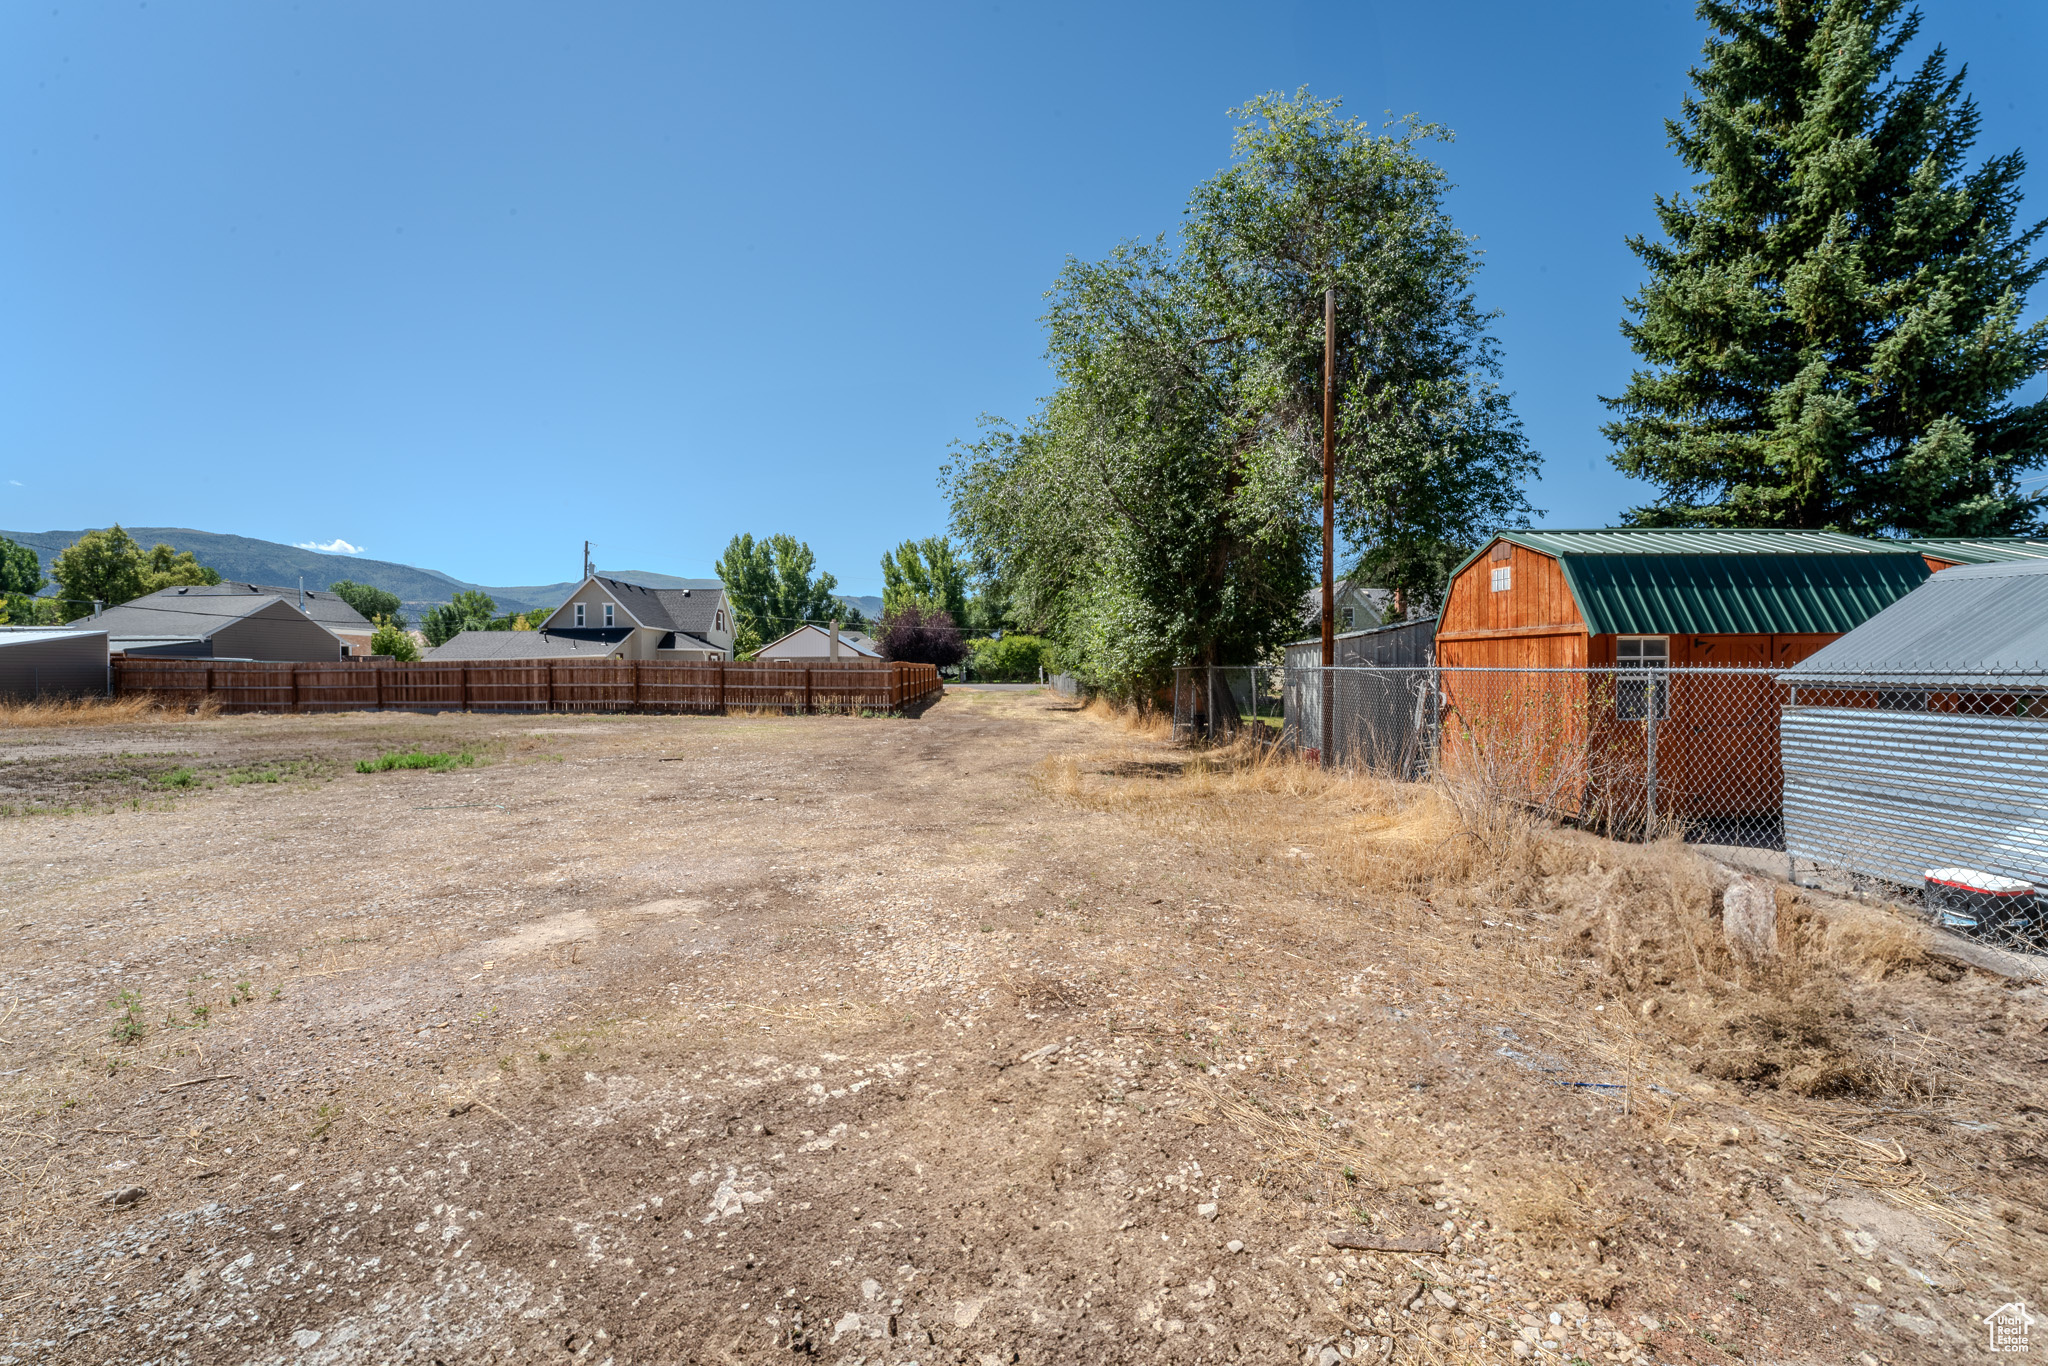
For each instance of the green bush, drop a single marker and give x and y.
(412, 758)
(1013, 659)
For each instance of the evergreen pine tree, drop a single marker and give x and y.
(1832, 324)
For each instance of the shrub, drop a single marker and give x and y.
(1013, 659)
(394, 640)
(438, 762)
(917, 635)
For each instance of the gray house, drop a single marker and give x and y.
(351, 626)
(612, 619)
(215, 626)
(52, 661)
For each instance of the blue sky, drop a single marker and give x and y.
(462, 284)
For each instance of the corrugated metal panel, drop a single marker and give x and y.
(1776, 594)
(1988, 618)
(1980, 550)
(53, 663)
(1893, 794)
(1404, 645)
(1698, 541)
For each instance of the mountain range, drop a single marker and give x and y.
(248, 560)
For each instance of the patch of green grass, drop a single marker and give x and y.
(177, 777)
(436, 762)
(128, 1027)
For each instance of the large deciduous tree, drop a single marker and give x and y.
(374, 603)
(774, 586)
(1161, 508)
(1430, 456)
(1832, 321)
(928, 573)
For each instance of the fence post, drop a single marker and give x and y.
(807, 690)
(294, 676)
(547, 686)
(377, 682)
(1650, 757)
(636, 684)
(720, 707)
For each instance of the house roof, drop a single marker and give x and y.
(850, 640)
(1980, 549)
(1658, 581)
(1971, 618)
(322, 607)
(31, 635)
(522, 645)
(692, 611)
(157, 617)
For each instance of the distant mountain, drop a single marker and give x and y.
(249, 560)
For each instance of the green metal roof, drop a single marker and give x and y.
(1980, 549)
(1686, 581)
(1777, 593)
(1697, 541)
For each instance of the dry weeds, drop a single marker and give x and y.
(1617, 949)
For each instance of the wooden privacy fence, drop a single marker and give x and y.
(535, 685)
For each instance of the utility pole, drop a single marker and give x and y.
(1329, 513)
(586, 559)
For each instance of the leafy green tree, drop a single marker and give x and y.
(21, 572)
(163, 567)
(1833, 319)
(470, 610)
(391, 638)
(373, 603)
(774, 586)
(1013, 659)
(100, 566)
(21, 578)
(851, 618)
(1161, 509)
(1430, 456)
(928, 573)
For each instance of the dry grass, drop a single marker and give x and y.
(96, 711)
(1548, 923)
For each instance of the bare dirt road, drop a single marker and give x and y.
(880, 1040)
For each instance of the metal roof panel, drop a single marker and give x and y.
(1773, 593)
(1985, 617)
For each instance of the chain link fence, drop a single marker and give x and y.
(1929, 789)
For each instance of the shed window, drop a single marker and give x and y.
(1642, 671)
(1503, 577)
(607, 614)
(579, 614)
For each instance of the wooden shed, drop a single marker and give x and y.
(1646, 604)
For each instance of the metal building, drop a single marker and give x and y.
(1381, 719)
(52, 661)
(1919, 741)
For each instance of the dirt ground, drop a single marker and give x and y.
(645, 1039)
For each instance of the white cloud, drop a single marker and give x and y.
(15, 482)
(337, 546)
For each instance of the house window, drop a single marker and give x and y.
(1350, 615)
(607, 614)
(1503, 577)
(1642, 670)
(579, 614)
(718, 621)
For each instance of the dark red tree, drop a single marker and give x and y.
(915, 635)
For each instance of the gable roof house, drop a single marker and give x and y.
(815, 642)
(352, 626)
(612, 619)
(1358, 609)
(1943, 552)
(186, 623)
